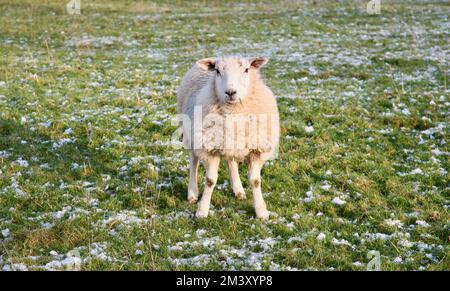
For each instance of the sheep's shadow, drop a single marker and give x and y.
(18, 142)
(33, 144)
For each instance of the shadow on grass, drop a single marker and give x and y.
(78, 161)
(40, 149)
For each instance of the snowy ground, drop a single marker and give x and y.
(87, 179)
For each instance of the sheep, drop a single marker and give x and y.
(216, 96)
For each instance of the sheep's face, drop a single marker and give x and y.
(232, 76)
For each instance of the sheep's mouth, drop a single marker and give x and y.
(232, 102)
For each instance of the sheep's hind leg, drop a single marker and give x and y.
(236, 183)
(193, 187)
(254, 176)
(212, 169)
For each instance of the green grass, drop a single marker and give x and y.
(86, 100)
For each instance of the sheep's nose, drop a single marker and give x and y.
(231, 94)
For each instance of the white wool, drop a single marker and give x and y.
(203, 89)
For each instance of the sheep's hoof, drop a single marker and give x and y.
(201, 214)
(263, 214)
(240, 195)
(192, 199)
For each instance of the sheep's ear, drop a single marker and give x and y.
(258, 62)
(207, 64)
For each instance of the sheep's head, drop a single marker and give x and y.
(232, 76)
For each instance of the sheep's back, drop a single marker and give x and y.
(194, 80)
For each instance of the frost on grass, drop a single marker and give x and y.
(23, 163)
(253, 255)
(321, 236)
(104, 41)
(366, 107)
(422, 223)
(197, 261)
(338, 201)
(5, 232)
(126, 217)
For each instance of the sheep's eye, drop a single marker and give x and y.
(246, 70)
(218, 72)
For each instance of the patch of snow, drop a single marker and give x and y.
(309, 129)
(6, 233)
(22, 163)
(197, 261)
(321, 236)
(326, 186)
(422, 223)
(416, 171)
(338, 201)
(295, 239)
(340, 242)
(394, 222)
(62, 142)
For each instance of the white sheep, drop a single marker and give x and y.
(228, 112)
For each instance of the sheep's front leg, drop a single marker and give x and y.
(254, 176)
(236, 183)
(212, 169)
(193, 187)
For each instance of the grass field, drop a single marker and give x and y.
(86, 166)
